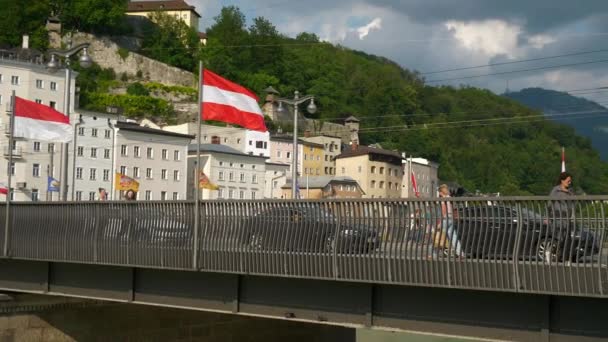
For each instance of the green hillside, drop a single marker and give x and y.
(483, 141)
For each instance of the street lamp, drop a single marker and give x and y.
(52, 66)
(312, 108)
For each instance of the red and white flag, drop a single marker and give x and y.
(3, 189)
(415, 184)
(40, 122)
(563, 159)
(229, 102)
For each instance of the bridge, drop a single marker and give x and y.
(525, 268)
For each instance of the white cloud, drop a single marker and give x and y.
(539, 41)
(375, 24)
(490, 37)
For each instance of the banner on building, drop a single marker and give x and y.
(205, 183)
(125, 183)
(52, 185)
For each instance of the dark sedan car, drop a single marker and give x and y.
(306, 229)
(492, 231)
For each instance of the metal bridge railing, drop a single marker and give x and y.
(533, 245)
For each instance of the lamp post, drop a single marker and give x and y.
(312, 108)
(85, 61)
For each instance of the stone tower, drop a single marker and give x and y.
(53, 26)
(269, 107)
(352, 123)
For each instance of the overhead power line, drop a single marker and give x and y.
(514, 62)
(518, 71)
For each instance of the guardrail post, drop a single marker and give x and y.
(517, 245)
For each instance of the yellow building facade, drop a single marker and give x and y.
(175, 8)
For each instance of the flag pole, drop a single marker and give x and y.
(9, 172)
(197, 190)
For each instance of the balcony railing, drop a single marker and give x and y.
(527, 245)
(17, 152)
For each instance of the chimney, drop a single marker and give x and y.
(25, 43)
(307, 133)
(215, 140)
(354, 145)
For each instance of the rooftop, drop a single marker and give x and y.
(289, 139)
(169, 5)
(134, 127)
(219, 148)
(363, 150)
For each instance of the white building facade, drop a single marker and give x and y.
(238, 175)
(156, 159)
(276, 177)
(33, 160)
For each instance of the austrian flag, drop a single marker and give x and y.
(229, 102)
(40, 122)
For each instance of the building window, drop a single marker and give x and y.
(253, 195)
(220, 193)
(165, 154)
(81, 131)
(34, 195)
(38, 101)
(135, 172)
(318, 171)
(51, 148)
(230, 193)
(231, 176)
(106, 153)
(373, 169)
(288, 155)
(94, 132)
(382, 170)
(373, 185)
(36, 146)
(306, 171)
(390, 185)
(241, 194)
(259, 144)
(343, 170)
(123, 170)
(150, 153)
(107, 134)
(106, 175)
(15, 80)
(305, 156)
(79, 195)
(92, 196)
(221, 175)
(136, 151)
(163, 174)
(176, 196)
(176, 155)
(80, 151)
(53, 86)
(36, 170)
(123, 150)
(163, 195)
(93, 152)
(78, 173)
(92, 174)
(148, 195)
(275, 184)
(381, 184)
(176, 175)
(149, 173)
(40, 84)
(242, 177)
(254, 179)
(278, 154)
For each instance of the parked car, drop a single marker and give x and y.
(306, 229)
(492, 231)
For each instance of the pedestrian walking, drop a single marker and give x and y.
(447, 223)
(130, 195)
(561, 215)
(103, 194)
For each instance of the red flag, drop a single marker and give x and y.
(3, 189)
(415, 184)
(563, 159)
(229, 102)
(40, 122)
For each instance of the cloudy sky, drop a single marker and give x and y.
(434, 35)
